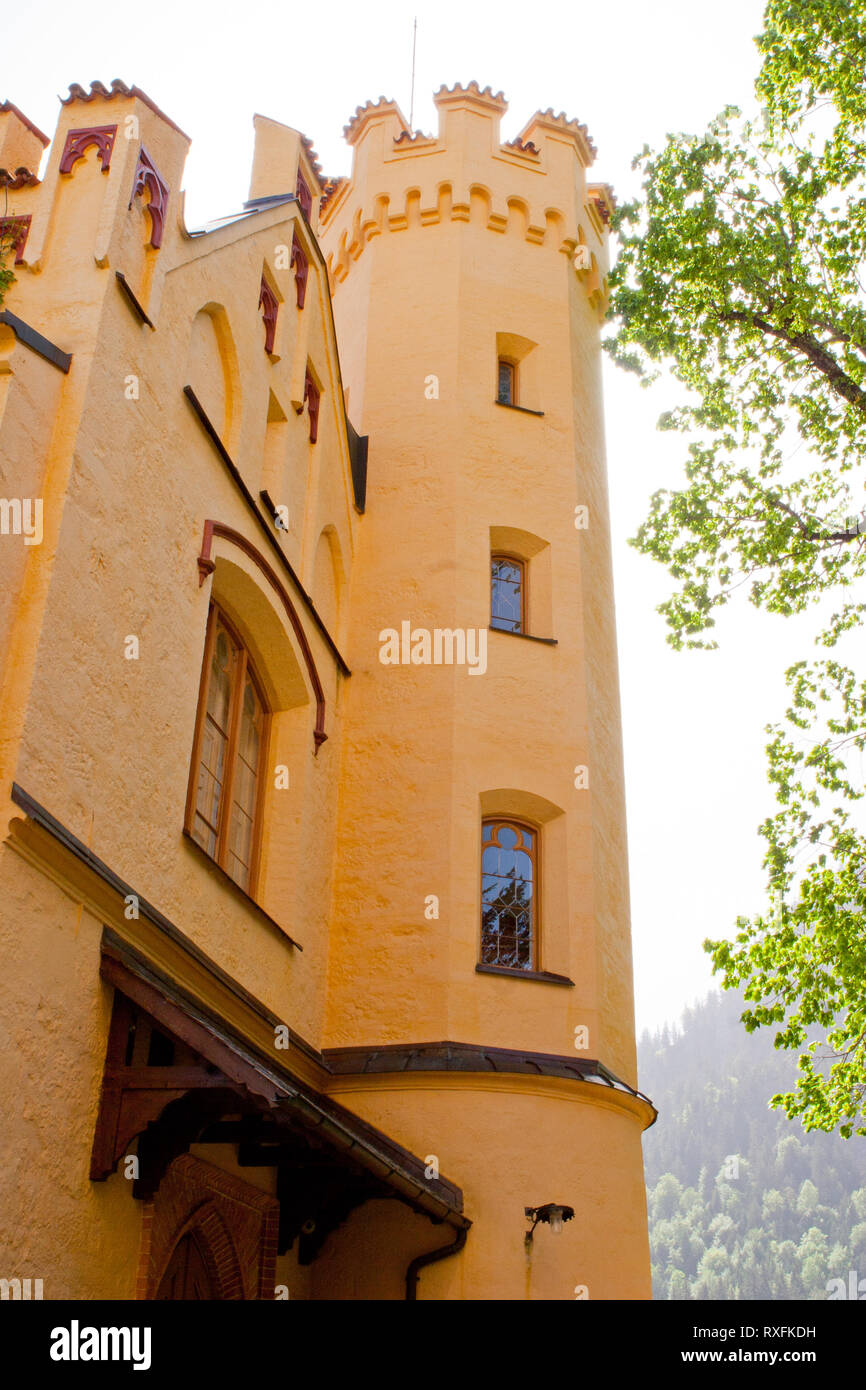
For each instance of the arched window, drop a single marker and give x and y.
(509, 895)
(507, 382)
(507, 593)
(224, 805)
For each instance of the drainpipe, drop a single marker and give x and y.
(412, 1273)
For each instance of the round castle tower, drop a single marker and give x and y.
(469, 283)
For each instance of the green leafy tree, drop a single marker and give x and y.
(741, 272)
(6, 254)
(792, 1218)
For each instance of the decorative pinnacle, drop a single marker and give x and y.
(471, 89)
(117, 89)
(549, 119)
(98, 89)
(362, 113)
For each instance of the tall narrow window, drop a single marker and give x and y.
(507, 383)
(507, 593)
(223, 809)
(509, 895)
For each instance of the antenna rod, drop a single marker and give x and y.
(412, 98)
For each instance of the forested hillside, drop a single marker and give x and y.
(743, 1203)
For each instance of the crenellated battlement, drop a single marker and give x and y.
(373, 112)
(533, 187)
(470, 92)
(546, 120)
(99, 92)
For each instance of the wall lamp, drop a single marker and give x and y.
(552, 1214)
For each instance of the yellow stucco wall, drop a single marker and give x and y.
(440, 250)
(435, 248)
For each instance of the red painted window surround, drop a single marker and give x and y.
(270, 307)
(312, 397)
(301, 267)
(304, 196)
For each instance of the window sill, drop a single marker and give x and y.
(524, 409)
(220, 873)
(544, 977)
(527, 636)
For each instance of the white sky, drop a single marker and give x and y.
(693, 722)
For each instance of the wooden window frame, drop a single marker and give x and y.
(523, 825)
(523, 630)
(512, 367)
(217, 615)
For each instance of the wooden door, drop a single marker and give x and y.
(186, 1275)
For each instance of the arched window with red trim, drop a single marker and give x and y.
(226, 781)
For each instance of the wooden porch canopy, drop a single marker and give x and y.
(176, 1075)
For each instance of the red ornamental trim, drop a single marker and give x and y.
(312, 396)
(20, 178)
(79, 141)
(304, 196)
(206, 566)
(14, 230)
(149, 180)
(301, 267)
(601, 207)
(270, 307)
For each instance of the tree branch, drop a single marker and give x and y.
(824, 361)
(807, 531)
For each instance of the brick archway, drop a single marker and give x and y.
(234, 1224)
(217, 1248)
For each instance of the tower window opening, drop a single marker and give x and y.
(507, 383)
(224, 811)
(507, 593)
(509, 895)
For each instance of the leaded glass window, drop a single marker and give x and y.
(507, 593)
(509, 895)
(507, 382)
(230, 732)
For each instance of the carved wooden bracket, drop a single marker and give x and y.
(135, 1097)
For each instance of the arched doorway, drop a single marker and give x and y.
(187, 1275)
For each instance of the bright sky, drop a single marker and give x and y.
(693, 722)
